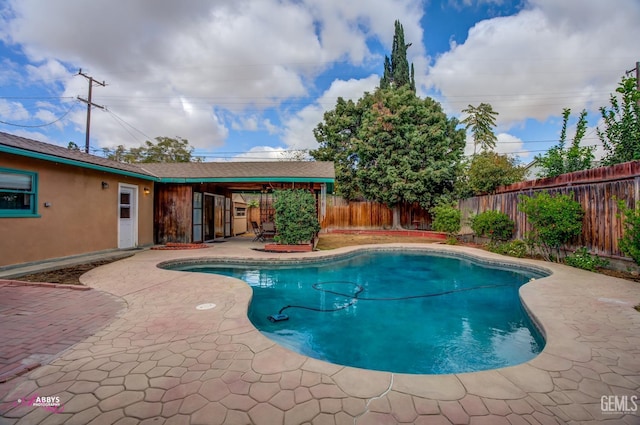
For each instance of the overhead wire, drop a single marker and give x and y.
(260, 103)
(41, 125)
(121, 120)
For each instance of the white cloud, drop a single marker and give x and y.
(512, 145)
(262, 153)
(242, 56)
(48, 72)
(12, 111)
(549, 56)
(268, 125)
(506, 144)
(298, 133)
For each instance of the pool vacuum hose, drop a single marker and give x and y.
(280, 316)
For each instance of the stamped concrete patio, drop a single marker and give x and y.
(162, 361)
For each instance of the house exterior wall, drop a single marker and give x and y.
(82, 216)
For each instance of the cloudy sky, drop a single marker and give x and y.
(250, 79)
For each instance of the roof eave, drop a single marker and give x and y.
(68, 161)
(245, 179)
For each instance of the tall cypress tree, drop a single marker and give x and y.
(396, 69)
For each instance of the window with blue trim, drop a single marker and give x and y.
(18, 193)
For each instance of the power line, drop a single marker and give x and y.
(116, 116)
(121, 124)
(41, 125)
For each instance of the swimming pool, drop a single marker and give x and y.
(398, 311)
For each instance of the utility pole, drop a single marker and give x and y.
(638, 78)
(89, 105)
(637, 70)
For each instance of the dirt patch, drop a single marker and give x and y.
(622, 275)
(68, 275)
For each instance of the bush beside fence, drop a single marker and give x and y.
(596, 190)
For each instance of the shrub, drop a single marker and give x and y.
(446, 218)
(495, 225)
(515, 248)
(489, 169)
(583, 260)
(554, 220)
(630, 242)
(296, 218)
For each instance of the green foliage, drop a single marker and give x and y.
(164, 150)
(336, 135)
(391, 146)
(559, 160)
(554, 221)
(630, 242)
(296, 218)
(515, 248)
(72, 146)
(481, 119)
(583, 260)
(407, 149)
(621, 134)
(396, 70)
(495, 225)
(488, 170)
(446, 218)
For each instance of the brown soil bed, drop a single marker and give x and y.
(622, 275)
(67, 276)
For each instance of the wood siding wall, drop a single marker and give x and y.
(595, 189)
(173, 214)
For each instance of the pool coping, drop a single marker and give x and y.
(592, 337)
(506, 263)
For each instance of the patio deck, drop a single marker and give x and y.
(162, 361)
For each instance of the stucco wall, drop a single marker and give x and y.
(82, 218)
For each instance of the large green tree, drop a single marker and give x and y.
(407, 150)
(396, 69)
(336, 135)
(481, 120)
(391, 146)
(166, 149)
(558, 160)
(621, 134)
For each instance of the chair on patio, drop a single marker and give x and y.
(268, 229)
(258, 232)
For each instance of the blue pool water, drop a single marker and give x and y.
(407, 312)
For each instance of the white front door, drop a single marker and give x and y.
(128, 216)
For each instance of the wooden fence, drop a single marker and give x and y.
(362, 215)
(342, 214)
(596, 190)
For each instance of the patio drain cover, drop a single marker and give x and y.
(207, 306)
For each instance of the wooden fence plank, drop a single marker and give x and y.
(362, 215)
(596, 190)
